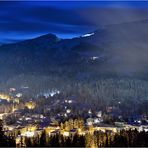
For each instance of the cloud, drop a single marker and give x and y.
(62, 18)
(32, 18)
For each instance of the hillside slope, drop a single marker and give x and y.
(118, 49)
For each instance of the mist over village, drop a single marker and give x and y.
(73, 74)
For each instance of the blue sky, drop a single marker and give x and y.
(22, 20)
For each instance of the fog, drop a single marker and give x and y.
(125, 34)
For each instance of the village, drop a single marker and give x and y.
(22, 118)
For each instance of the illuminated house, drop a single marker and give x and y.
(30, 105)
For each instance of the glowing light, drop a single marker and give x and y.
(99, 114)
(139, 121)
(1, 116)
(65, 115)
(28, 134)
(30, 105)
(51, 93)
(70, 101)
(18, 140)
(19, 95)
(96, 120)
(145, 129)
(5, 97)
(27, 118)
(81, 133)
(66, 134)
(68, 111)
(16, 100)
(90, 112)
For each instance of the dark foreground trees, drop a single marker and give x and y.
(57, 141)
(124, 138)
(131, 138)
(5, 141)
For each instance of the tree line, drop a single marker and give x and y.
(124, 138)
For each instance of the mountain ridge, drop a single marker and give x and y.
(115, 49)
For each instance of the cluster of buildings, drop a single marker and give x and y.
(32, 124)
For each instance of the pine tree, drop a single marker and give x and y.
(76, 123)
(71, 124)
(62, 126)
(67, 126)
(43, 139)
(3, 139)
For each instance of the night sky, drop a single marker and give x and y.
(22, 20)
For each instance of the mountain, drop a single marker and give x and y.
(116, 49)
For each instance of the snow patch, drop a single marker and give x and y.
(89, 34)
